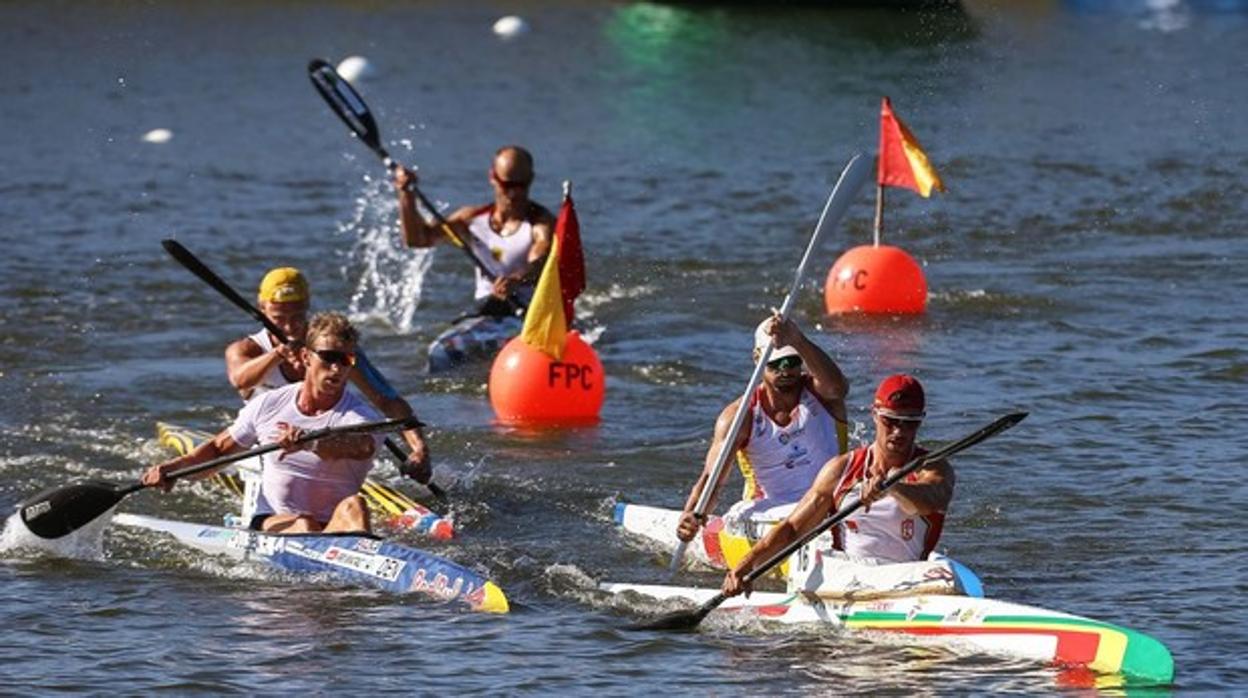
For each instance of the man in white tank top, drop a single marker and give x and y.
(306, 487)
(259, 363)
(510, 236)
(900, 525)
(797, 422)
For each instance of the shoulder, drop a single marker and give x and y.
(244, 347)
(464, 214)
(357, 409)
(540, 215)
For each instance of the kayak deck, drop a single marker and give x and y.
(359, 559)
(988, 625)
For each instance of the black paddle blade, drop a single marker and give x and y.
(59, 511)
(346, 103)
(677, 620)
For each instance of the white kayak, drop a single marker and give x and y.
(987, 625)
(361, 560)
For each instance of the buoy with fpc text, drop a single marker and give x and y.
(882, 278)
(549, 374)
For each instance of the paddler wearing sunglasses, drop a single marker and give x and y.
(260, 362)
(511, 236)
(796, 423)
(304, 487)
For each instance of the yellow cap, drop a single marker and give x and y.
(284, 285)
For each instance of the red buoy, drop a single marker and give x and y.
(875, 279)
(528, 386)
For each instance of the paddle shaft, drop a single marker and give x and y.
(187, 259)
(855, 174)
(343, 99)
(365, 428)
(845, 511)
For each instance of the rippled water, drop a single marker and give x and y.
(1086, 265)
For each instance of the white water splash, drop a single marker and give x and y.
(390, 277)
(87, 543)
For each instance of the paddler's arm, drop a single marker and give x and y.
(382, 395)
(246, 363)
(220, 445)
(813, 507)
(828, 380)
(927, 490)
(688, 526)
(415, 230)
(340, 447)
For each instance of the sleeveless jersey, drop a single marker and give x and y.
(273, 378)
(301, 482)
(780, 463)
(502, 254)
(886, 532)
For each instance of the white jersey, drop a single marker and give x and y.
(887, 532)
(780, 462)
(301, 482)
(273, 378)
(502, 254)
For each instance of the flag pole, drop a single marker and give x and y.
(567, 189)
(879, 212)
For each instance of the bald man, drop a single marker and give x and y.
(511, 236)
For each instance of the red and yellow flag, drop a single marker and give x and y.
(902, 160)
(563, 279)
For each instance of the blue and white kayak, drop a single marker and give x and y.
(360, 560)
(471, 338)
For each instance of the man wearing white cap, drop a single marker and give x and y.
(796, 423)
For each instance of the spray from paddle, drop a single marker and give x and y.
(86, 543)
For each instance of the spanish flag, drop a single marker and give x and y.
(563, 279)
(902, 160)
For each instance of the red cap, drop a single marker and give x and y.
(901, 397)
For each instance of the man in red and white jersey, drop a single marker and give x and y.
(796, 422)
(511, 236)
(900, 525)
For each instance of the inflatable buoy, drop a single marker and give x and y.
(529, 386)
(871, 279)
(158, 135)
(356, 68)
(510, 26)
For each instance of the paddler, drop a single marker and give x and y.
(511, 236)
(259, 362)
(305, 487)
(901, 525)
(796, 423)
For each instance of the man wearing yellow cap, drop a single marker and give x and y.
(259, 362)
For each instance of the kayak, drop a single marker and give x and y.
(714, 546)
(471, 338)
(389, 506)
(361, 560)
(984, 625)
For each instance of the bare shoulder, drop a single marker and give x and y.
(463, 214)
(540, 215)
(245, 348)
(936, 470)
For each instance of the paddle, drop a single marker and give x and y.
(685, 620)
(350, 107)
(855, 174)
(59, 511)
(208, 276)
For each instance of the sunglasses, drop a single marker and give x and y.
(785, 363)
(509, 185)
(332, 356)
(900, 422)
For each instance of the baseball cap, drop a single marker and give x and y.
(762, 339)
(900, 396)
(284, 285)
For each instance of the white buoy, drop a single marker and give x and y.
(510, 26)
(158, 135)
(353, 68)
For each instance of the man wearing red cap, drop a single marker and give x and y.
(900, 525)
(796, 422)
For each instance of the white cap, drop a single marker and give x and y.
(762, 339)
